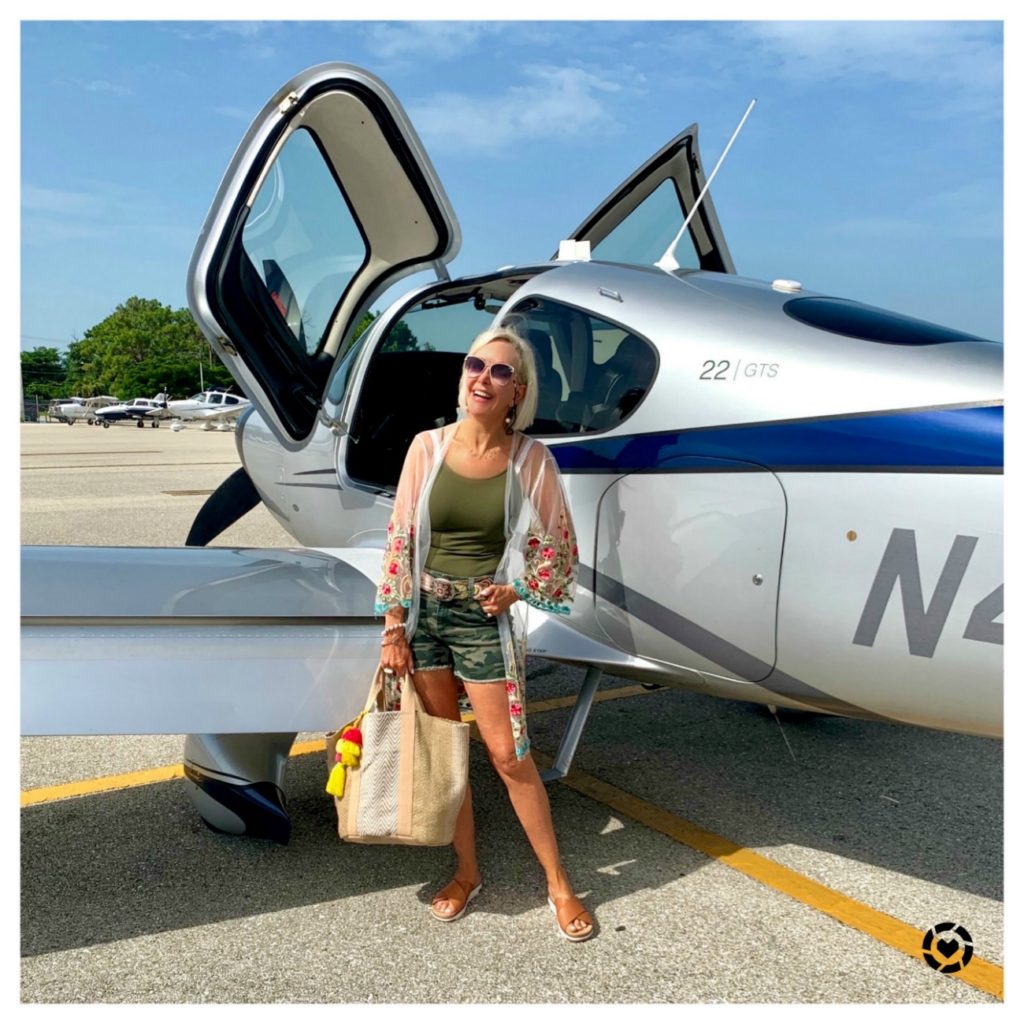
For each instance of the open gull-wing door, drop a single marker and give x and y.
(329, 200)
(638, 221)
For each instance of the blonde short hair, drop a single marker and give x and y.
(525, 374)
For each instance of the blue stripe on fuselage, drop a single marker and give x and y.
(970, 439)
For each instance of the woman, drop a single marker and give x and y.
(480, 527)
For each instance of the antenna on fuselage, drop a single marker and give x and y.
(668, 261)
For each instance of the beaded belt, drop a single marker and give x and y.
(454, 590)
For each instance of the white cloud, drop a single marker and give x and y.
(263, 51)
(235, 113)
(962, 62)
(68, 204)
(965, 213)
(245, 29)
(216, 29)
(250, 34)
(102, 86)
(439, 40)
(57, 215)
(554, 102)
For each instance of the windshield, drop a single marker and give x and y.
(303, 240)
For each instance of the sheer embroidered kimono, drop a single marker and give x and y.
(539, 559)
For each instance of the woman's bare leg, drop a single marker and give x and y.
(438, 692)
(525, 788)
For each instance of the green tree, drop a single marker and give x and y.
(142, 348)
(43, 373)
(364, 322)
(401, 339)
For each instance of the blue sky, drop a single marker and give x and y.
(871, 167)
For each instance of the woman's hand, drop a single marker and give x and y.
(396, 654)
(498, 598)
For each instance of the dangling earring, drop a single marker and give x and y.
(510, 418)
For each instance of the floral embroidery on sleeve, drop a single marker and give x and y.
(549, 580)
(395, 586)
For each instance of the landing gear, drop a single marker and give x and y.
(574, 727)
(139, 423)
(235, 782)
(106, 424)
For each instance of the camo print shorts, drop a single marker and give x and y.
(458, 635)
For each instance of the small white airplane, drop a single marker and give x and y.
(780, 496)
(67, 410)
(139, 409)
(214, 407)
(70, 410)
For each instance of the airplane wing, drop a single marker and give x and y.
(195, 640)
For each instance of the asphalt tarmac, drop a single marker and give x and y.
(728, 857)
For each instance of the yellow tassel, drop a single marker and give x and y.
(349, 753)
(336, 781)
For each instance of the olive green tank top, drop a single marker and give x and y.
(467, 523)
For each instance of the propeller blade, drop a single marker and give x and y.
(235, 496)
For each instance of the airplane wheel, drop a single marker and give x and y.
(139, 423)
(106, 424)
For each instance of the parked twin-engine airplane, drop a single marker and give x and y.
(780, 496)
(142, 410)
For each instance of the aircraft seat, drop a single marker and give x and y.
(623, 382)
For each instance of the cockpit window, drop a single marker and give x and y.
(303, 240)
(644, 236)
(855, 320)
(412, 384)
(592, 373)
(411, 381)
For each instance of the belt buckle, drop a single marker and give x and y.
(443, 589)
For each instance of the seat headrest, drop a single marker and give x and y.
(540, 341)
(633, 354)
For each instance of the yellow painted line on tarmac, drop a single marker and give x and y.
(129, 780)
(979, 973)
(618, 693)
(86, 787)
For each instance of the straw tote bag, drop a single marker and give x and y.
(411, 772)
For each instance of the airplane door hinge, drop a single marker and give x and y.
(332, 423)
